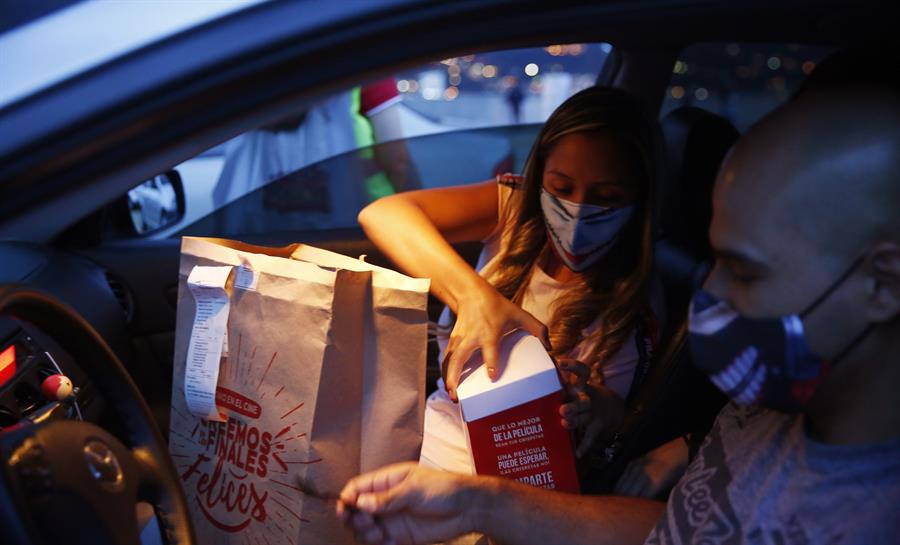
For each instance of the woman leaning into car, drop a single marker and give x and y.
(568, 244)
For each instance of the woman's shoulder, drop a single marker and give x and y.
(511, 181)
(509, 188)
(510, 191)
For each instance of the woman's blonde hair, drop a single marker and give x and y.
(615, 288)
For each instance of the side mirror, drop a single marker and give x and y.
(156, 204)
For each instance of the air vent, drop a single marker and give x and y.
(27, 397)
(7, 417)
(46, 370)
(122, 295)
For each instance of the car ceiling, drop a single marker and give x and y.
(175, 102)
(16, 13)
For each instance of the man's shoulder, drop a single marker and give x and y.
(747, 419)
(748, 434)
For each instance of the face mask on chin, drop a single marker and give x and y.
(765, 361)
(581, 233)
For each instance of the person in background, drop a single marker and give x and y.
(514, 98)
(357, 119)
(798, 322)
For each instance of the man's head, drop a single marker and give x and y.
(809, 193)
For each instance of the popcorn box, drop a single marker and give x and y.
(513, 424)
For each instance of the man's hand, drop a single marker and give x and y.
(592, 407)
(405, 504)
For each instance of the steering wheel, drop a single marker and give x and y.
(67, 481)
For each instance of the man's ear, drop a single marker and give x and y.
(884, 268)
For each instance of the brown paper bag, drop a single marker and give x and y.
(322, 377)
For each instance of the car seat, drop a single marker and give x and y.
(696, 143)
(674, 398)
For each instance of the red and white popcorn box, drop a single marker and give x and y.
(513, 424)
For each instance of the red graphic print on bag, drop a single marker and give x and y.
(238, 473)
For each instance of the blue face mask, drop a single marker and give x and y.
(763, 361)
(581, 233)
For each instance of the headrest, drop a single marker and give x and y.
(696, 143)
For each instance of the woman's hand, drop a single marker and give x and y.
(482, 319)
(655, 472)
(593, 408)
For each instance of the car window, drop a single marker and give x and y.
(517, 87)
(499, 87)
(329, 194)
(739, 81)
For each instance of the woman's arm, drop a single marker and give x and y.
(415, 230)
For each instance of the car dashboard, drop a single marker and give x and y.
(28, 362)
(28, 356)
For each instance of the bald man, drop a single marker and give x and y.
(798, 322)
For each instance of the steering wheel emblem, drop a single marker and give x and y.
(103, 465)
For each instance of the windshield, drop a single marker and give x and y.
(45, 50)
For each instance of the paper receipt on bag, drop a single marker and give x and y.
(208, 337)
(246, 278)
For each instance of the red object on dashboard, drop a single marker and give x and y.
(56, 387)
(7, 364)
